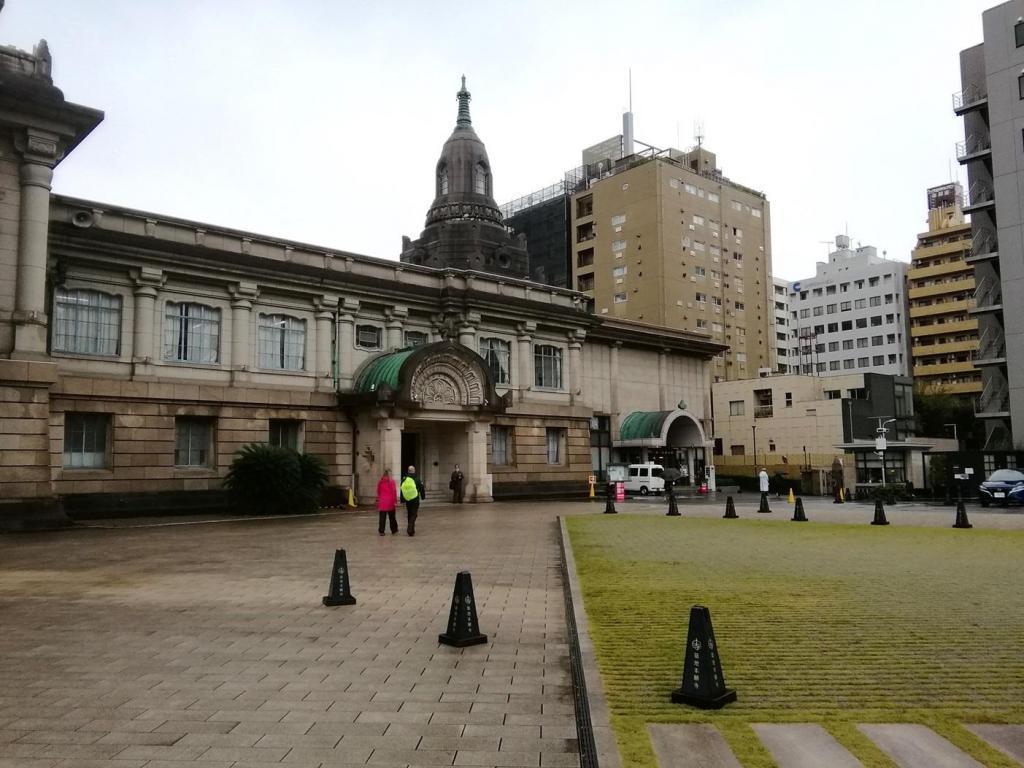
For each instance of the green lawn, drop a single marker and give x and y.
(834, 624)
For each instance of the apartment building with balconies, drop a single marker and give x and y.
(781, 344)
(991, 103)
(851, 315)
(941, 286)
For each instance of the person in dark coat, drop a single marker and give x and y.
(412, 493)
(456, 484)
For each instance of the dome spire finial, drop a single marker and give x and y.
(464, 97)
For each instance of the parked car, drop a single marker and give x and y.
(1002, 487)
(645, 479)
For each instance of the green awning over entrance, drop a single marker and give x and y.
(643, 425)
(382, 370)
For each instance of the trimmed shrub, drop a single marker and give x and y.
(272, 480)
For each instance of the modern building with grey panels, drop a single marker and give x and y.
(991, 103)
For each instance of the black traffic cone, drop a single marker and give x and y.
(961, 516)
(463, 628)
(879, 514)
(340, 591)
(703, 680)
(764, 509)
(798, 511)
(673, 508)
(730, 509)
(609, 499)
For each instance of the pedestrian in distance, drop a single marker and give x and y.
(763, 485)
(456, 484)
(412, 494)
(387, 501)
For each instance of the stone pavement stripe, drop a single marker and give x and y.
(596, 733)
(916, 746)
(1009, 739)
(691, 746)
(804, 745)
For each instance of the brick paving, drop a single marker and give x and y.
(207, 644)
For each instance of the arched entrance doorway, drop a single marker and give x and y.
(428, 406)
(671, 438)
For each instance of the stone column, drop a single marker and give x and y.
(147, 284)
(242, 297)
(478, 480)
(575, 365)
(613, 383)
(525, 361)
(390, 456)
(346, 342)
(40, 152)
(325, 308)
(662, 379)
(467, 330)
(395, 323)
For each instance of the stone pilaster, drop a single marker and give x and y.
(147, 282)
(326, 306)
(467, 329)
(242, 297)
(663, 380)
(40, 151)
(575, 365)
(346, 342)
(395, 323)
(478, 480)
(613, 383)
(524, 337)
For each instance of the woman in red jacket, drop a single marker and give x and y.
(387, 500)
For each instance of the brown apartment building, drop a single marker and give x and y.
(944, 333)
(662, 237)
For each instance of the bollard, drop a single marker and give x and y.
(730, 509)
(609, 500)
(339, 592)
(673, 508)
(764, 509)
(961, 516)
(463, 628)
(798, 511)
(703, 680)
(791, 499)
(351, 498)
(879, 514)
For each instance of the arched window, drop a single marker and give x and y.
(442, 180)
(86, 322)
(480, 179)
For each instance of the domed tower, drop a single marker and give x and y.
(464, 228)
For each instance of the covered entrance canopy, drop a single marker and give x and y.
(674, 437)
(430, 406)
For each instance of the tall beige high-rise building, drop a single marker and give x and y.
(663, 237)
(944, 335)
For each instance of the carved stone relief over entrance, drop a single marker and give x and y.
(447, 380)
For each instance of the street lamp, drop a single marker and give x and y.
(880, 444)
(959, 485)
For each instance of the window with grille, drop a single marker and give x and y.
(369, 337)
(282, 342)
(193, 446)
(500, 441)
(497, 353)
(86, 322)
(415, 338)
(85, 440)
(286, 433)
(547, 366)
(192, 333)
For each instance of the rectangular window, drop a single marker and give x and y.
(819, 349)
(192, 333)
(86, 322)
(861, 322)
(860, 304)
(847, 343)
(286, 433)
(698, 220)
(712, 197)
(85, 440)
(876, 321)
(862, 362)
(878, 360)
(547, 366)
(845, 306)
(1020, 86)
(875, 301)
(848, 364)
(833, 346)
(497, 353)
(804, 313)
(831, 308)
(415, 338)
(833, 365)
(1018, 33)
(585, 258)
(862, 342)
(690, 188)
(619, 271)
(618, 246)
(555, 437)
(701, 298)
(888, 298)
(700, 271)
(369, 337)
(830, 290)
(702, 323)
(789, 399)
(619, 220)
(819, 311)
(833, 327)
(500, 439)
(585, 283)
(820, 367)
(193, 445)
(736, 407)
(876, 341)
(282, 342)
(621, 298)
(847, 325)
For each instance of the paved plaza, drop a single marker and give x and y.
(149, 643)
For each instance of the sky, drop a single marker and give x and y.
(321, 120)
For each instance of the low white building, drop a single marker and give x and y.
(851, 317)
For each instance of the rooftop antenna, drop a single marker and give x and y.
(828, 246)
(630, 89)
(627, 122)
(698, 132)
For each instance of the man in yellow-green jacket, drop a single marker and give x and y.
(412, 492)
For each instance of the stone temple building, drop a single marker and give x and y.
(139, 352)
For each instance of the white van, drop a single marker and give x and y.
(645, 479)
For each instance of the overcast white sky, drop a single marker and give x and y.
(321, 121)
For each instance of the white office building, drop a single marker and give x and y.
(782, 345)
(851, 317)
